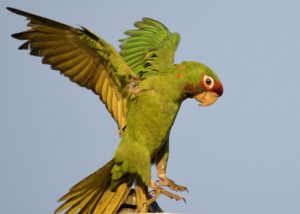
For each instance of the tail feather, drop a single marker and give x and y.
(80, 199)
(112, 200)
(95, 195)
(91, 204)
(93, 179)
(141, 192)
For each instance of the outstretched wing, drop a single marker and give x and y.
(83, 57)
(150, 48)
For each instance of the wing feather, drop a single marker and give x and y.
(150, 48)
(85, 74)
(83, 57)
(109, 98)
(105, 90)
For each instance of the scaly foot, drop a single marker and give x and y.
(157, 190)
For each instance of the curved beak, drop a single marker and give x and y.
(218, 88)
(208, 98)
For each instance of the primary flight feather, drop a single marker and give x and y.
(141, 88)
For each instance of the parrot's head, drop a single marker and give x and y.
(201, 83)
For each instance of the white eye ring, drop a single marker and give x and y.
(208, 82)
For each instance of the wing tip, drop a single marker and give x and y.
(17, 11)
(155, 22)
(24, 46)
(18, 36)
(11, 9)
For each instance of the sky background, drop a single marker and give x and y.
(241, 155)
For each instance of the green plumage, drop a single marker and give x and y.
(140, 87)
(150, 48)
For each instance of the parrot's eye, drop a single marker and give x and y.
(208, 82)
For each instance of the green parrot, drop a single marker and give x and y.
(141, 88)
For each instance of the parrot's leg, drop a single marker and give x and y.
(157, 190)
(161, 167)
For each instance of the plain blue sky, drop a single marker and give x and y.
(242, 155)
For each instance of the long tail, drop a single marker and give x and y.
(95, 195)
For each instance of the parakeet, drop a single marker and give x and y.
(141, 88)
